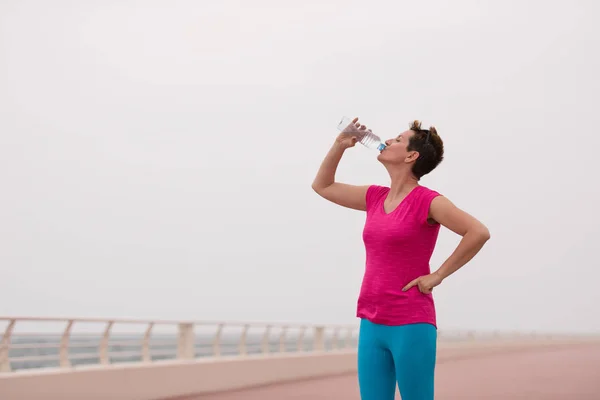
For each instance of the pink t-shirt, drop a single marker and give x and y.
(398, 249)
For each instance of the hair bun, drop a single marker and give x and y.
(415, 125)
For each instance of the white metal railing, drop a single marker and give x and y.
(30, 342)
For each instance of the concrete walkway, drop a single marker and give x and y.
(541, 374)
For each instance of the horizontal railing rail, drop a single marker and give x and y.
(41, 342)
(38, 342)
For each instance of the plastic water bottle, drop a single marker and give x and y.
(365, 137)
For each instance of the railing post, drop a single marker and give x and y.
(319, 340)
(282, 339)
(4, 359)
(336, 335)
(185, 342)
(104, 344)
(300, 344)
(243, 349)
(146, 343)
(217, 341)
(265, 340)
(64, 346)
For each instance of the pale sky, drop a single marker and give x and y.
(156, 156)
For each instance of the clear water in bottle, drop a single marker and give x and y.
(366, 138)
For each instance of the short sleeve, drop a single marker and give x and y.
(426, 198)
(374, 196)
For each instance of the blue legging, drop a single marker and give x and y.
(388, 354)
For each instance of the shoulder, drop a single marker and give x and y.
(426, 194)
(425, 199)
(375, 193)
(376, 189)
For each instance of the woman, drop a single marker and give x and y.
(398, 331)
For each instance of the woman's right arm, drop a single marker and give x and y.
(345, 195)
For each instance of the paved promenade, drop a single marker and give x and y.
(571, 373)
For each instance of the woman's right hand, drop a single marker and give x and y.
(350, 135)
(350, 196)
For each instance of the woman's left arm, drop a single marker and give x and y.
(474, 235)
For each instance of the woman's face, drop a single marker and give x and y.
(396, 152)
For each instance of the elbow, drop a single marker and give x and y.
(318, 188)
(478, 233)
(483, 233)
(315, 187)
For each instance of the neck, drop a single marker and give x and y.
(402, 183)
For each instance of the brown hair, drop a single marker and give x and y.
(430, 147)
